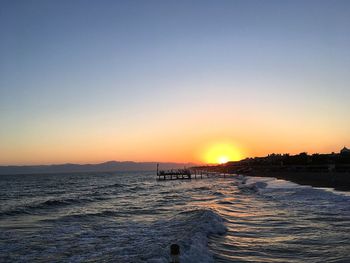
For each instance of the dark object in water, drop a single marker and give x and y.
(173, 174)
(174, 253)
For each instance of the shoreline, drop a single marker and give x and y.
(336, 180)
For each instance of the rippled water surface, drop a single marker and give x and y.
(130, 217)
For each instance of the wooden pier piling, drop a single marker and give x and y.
(186, 174)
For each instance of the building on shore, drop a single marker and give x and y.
(345, 151)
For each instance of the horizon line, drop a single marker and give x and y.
(97, 163)
(173, 162)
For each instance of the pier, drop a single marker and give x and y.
(186, 174)
(179, 174)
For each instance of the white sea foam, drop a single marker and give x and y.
(199, 224)
(261, 184)
(286, 190)
(209, 223)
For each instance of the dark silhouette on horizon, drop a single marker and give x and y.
(111, 166)
(323, 170)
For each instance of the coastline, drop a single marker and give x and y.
(318, 170)
(337, 180)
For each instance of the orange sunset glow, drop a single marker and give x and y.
(221, 153)
(160, 88)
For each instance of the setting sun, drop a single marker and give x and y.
(222, 153)
(223, 159)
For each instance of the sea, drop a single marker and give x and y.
(132, 217)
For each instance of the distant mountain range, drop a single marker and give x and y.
(101, 167)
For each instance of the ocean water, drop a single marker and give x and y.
(131, 217)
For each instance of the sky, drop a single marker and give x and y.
(91, 81)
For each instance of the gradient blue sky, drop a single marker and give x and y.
(87, 81)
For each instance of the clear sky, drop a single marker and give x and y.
(90, 81)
